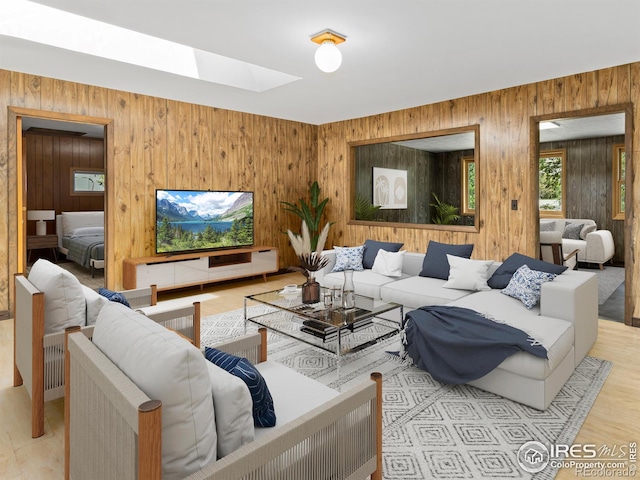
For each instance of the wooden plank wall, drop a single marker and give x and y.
(159, 143)
(505, 170)
(588, 166)
(49, 162)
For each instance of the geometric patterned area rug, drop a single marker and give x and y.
(433, 430)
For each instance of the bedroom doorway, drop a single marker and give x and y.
(54, 154)
(591, 141)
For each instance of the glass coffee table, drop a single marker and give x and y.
(333, 329)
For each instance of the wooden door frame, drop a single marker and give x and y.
(627, 109)
(17, 169)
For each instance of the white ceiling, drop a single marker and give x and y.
(442, 143)
(584, 127)
(397, 54)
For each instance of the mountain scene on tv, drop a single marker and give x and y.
(189, 220)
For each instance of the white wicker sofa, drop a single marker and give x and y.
(118, 431)
(52, 299)
(593, 245)
(565, 321)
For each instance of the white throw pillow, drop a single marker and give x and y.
(168, 368)
(95, 302)
(64, 303)
(467, 274)
(388, 264)
(233, 408)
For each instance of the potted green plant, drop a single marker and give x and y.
(309, 244)
(445, 213)
(310, 213)
(364, 209)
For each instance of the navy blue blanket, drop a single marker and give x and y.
(457, 345)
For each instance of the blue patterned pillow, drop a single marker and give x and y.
(525, 285)
(264, 414)
(114, 296)
(348, 258)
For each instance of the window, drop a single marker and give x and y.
(468, 186)
(87, 181)
(618, 181)
(552, 178)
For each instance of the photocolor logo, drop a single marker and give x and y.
(533, 457)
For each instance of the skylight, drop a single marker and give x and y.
(49, 26)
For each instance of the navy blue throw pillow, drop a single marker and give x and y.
(371, 248)
(114, 296)
(435, 263)
(264, 414)
(502, 276)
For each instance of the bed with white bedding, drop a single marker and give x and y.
(81, 237)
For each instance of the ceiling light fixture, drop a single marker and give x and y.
(328, 57)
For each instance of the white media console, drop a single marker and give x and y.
(199, 268)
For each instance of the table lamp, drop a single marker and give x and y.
(40, 216)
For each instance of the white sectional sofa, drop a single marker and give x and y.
(593, 245)
(565, 321)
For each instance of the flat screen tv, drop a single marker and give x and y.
(195, 220)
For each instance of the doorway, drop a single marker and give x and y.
(592, 140)
(31, 127)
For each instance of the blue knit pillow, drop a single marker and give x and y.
(526, 284)
(348, 258)
(436, 264)
(502, 276)
(114, 296)
(264, 414)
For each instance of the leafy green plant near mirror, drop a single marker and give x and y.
(445, 213)
(364, 209)
(310, 213)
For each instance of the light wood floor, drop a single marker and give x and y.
(613, 420)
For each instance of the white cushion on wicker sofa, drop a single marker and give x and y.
(64, 302)
(293, 394)
(167, 368)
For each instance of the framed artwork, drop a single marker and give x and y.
(389, 188)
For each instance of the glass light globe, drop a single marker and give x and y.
(328, 57)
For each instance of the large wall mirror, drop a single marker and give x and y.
(425, 180)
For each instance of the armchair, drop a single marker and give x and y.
(39, 356)
(594, 246)
(551, 250)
